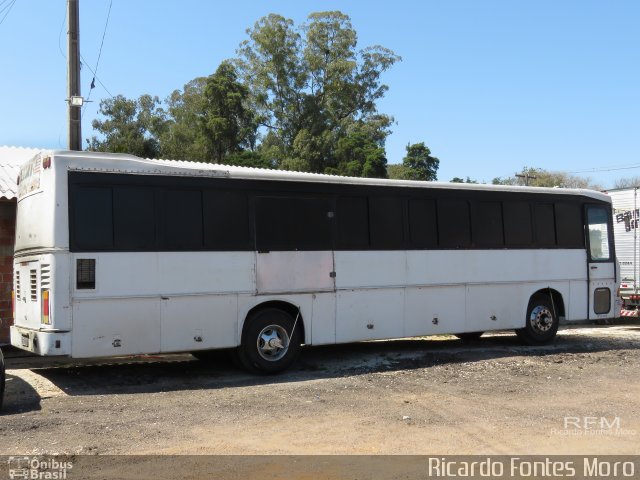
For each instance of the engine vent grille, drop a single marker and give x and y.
(86, 273)
(45, 276)
(17, 285)
(33, 276)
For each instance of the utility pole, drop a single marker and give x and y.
(74, 97)
(526, 177)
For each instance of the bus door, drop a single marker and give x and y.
(601, 270)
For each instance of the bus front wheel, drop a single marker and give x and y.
(541, 322)
(271, 341)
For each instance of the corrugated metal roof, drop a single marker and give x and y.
(124, 163)
(10, 160)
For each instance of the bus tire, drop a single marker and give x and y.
(469, 336)
(268, 345)
(541, 322)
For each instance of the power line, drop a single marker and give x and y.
(608, 169)
(95, 70)
(6, 4)
(7, 8)
(84, 62)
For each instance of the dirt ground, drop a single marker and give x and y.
(419, 396)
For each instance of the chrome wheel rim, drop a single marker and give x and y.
(541, 319)
(273, 343)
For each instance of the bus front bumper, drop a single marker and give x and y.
(41, 342)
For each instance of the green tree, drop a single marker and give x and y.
(129, 126)
(311, 88)
(460, 180)
(358, 155)
(269, 62)
(419, 163)
(209, 119)
(297, 97)
(397, 171)
(183, 136)
(228, 125)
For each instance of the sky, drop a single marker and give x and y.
(490, 86)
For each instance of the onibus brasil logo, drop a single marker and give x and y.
(38, 468)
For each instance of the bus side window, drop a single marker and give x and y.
(181, 220)
(352, 223)
(293, 223)
(423, 229)
(134, 218)
(92, 227)
(453, 224)
(545, 225)
(518, 231)
(386, 221)
(569, 225)
(226, 220)
(487, 225)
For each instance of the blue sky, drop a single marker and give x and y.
(490, 86)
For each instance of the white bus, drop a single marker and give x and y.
(118, 255)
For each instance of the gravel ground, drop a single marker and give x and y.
(432, 395)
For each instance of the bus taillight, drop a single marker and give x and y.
(45, 307)
(13, 304)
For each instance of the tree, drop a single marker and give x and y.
(538, 177)
(460, 180)
(297, 97)
(129, 126)
(419, 164)
(228, 125)
(209, 119)
(182, 136)
(397, 171)
(269, 62)
(311, 89)
(358, 155)
(627, 182)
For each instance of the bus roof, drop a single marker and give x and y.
(124, 163)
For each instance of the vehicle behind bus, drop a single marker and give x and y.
(626, 218)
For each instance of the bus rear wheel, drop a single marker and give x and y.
(271, 341)
(541, 322)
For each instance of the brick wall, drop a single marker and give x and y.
(7, 238)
